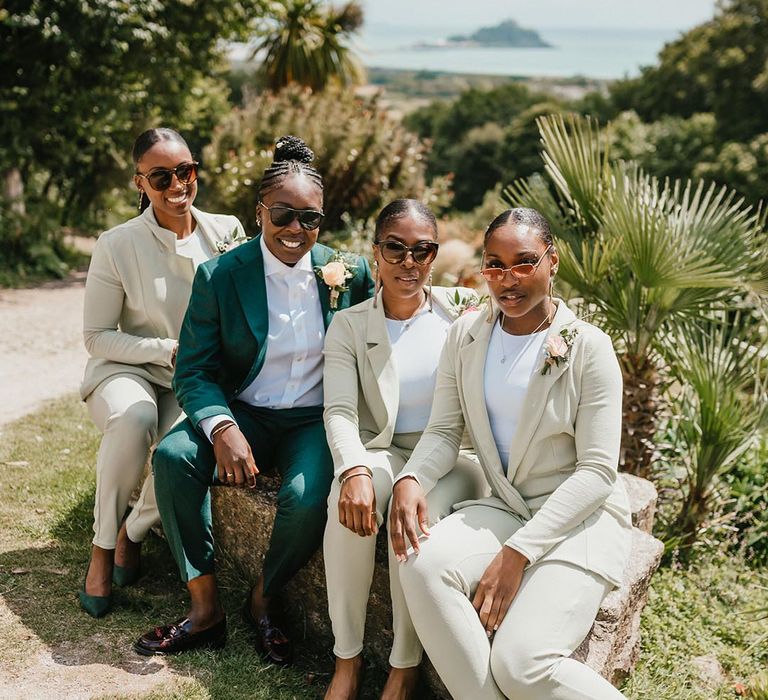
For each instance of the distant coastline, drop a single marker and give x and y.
(506, 34)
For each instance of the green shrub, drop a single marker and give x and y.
(32, 244)
(366, 157)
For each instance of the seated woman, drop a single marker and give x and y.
(505, 588)
(137, 290)
(380, 363)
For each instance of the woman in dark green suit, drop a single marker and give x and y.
(249, 378)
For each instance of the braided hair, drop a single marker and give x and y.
(146, 140)
(521, 215)
(399, 209)
(292, 157)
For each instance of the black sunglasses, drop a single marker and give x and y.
(160, 179)
(280, 215)
(395, 252)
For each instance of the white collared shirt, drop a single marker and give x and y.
(292, 373)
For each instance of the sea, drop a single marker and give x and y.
(594, 53)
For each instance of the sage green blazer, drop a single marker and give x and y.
(360, 380)
(223, 339)
(561, 481)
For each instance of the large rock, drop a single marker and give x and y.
(243, 522)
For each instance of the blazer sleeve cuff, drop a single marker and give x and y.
(512, 544)
(413, 475)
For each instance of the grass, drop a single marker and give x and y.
(47, 483)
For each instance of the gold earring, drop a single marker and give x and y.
(141, 196)
(491, 313)
(429, 295)
(551, 294)
(377, 285)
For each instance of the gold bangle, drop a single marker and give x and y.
(221, 428)
(358, 466)
(352, 476)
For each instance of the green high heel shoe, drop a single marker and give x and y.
(125, 575)
(95, 605)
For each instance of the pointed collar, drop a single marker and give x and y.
(275, 266)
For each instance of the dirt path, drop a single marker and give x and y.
(42, 358)
(41, 345)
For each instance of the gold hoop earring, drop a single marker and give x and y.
(377, 285)
(551, 294)
(491, 312)
(429, 295)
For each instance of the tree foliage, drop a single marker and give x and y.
(646, 257)
(305, 42)
(365, 156)
(80, 78)
(720, 66)
(483, 138)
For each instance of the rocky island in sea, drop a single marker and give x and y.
(507, 34)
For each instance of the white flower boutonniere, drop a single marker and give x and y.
(335, 274)
(232, 239)
(558, 348)
(461, 305)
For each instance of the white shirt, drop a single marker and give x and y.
(506, 383)
(416, 352)
(292, 373)
(193, 247)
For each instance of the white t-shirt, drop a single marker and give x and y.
(506, 382)
(193, 247)
(416, 347)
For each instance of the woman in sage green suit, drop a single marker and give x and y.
(380, 362)
(506, 587)
(136, 293)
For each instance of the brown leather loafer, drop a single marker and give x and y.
(176, 638)
(272, 643)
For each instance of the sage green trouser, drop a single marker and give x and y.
(291, 441)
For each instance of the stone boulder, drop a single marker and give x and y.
(243, 522)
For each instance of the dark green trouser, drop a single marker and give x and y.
(292, 441)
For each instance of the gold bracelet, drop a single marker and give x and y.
(351, 476)
(221, 428)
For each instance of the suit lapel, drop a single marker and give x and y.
(319, 255)
(536, 396)
(472, 382)
(381, 361)
(472, 386)
(250, 285)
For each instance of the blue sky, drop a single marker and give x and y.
(540, 14)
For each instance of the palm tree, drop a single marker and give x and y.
(644, 257)
(721, 404)
(305, 43)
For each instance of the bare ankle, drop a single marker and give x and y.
(401, 683)
(346, 681)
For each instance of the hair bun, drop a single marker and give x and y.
(292, 148)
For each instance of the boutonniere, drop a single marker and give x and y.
(335, 274)
(231, 239)
(461, 305)
(558, 348)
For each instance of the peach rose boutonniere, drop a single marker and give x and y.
(335, 274)
(558, 348)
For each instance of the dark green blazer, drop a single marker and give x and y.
(223, 339)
